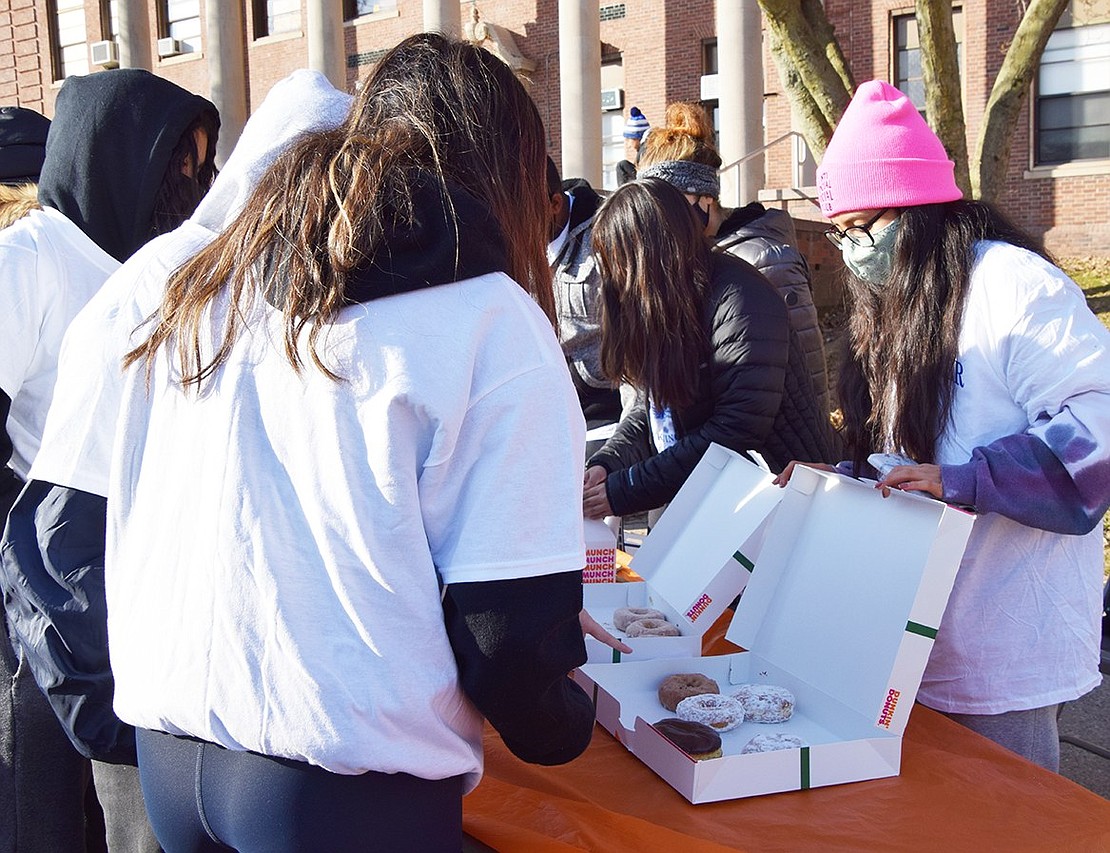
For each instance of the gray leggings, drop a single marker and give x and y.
(1032, 734)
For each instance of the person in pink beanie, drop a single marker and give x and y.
(975, 373)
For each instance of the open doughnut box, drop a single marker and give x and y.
(845, 594)
(695, 560)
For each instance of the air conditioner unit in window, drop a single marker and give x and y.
(612, 99)
(105, 54)
(168, 47)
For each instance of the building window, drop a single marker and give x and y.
(181, 21)
(1072, 114)
(69, 52)
(109, 19)
(358, 8)
(612, 124)
(709, 83)
(272, 17)
(907, 55)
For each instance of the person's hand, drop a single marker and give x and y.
(592, 628)
(782, 479)
(595, 500)
(913, 478)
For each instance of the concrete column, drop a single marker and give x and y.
(226, 51)
(326, 52)
(740, 96)
(580, 88)
(443, 16)
(135, 35)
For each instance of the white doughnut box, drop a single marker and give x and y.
(844, 600)
(694, 562)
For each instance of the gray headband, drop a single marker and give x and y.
(689, 177)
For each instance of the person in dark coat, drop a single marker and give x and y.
(706, 340)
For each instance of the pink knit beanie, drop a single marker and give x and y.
(883, 154)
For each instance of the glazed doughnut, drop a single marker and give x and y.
(695, 739)
(770, 742)
(651, 628)
(722, 713)
(765, 703)
(674, 688)
(625, 616)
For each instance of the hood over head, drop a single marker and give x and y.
(108, 150)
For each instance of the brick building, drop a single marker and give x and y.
(651, 53)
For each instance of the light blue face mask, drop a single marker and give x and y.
(872, 263)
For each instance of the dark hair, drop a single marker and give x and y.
(897, 378)
(434, 109)
(180, 193)
(653, 260)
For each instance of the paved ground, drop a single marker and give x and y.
(1084, 724)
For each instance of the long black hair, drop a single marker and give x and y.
(896, 382)
(182, 189)
(653, 259)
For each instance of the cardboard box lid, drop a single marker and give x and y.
(849, 590)
(695, 557)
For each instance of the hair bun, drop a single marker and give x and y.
(688, 120)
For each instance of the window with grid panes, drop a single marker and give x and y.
(69, 50)
(907, 55)
(273, 17)
(181, 21)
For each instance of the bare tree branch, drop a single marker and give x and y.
(940, 69)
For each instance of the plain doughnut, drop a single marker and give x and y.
(625, 616)
(651, 628)
(722, 713)
(674, 688)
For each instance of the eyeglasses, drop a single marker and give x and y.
(859, 235)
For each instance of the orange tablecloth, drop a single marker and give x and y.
(957, 792)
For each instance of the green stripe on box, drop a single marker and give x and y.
(616, 656)
(922, 630)
(805, 767)
(744, 561)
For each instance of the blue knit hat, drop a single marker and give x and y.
(637, 125)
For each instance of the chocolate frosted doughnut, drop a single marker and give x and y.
(695, 739)
(625, 616)
(765, 703)
(651, 628)
(722, 713)
(674, 688)
(770, 742)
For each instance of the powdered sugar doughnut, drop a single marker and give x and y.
(651, 628)
(674, 688)
(722, 713)
(765, 703)
(772, 741)
(625, 616)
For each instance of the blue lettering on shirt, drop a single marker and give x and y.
(959, 374)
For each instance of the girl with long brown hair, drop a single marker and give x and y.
(978, 375)
(706, 341)
(321, 579)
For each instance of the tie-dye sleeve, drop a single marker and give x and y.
(1055, 476)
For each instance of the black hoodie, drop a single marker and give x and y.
(108, 150)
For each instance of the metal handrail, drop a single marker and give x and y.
(755, 152)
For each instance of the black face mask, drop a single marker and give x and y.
(702, 215)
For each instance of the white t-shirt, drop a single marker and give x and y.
(1021, 629)
(277, 543)
(50, 270)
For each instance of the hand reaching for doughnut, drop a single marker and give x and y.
(595, 500)
(592, 628)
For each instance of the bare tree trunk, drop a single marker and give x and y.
(992, 152)
(940, 67)
(816, 130)
(825, 33)
(796, 47)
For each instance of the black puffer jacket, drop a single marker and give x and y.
(766, 239)
(755, 394)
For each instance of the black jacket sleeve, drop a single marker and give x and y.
(515, 641)
(53, 580)
(739, 400)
